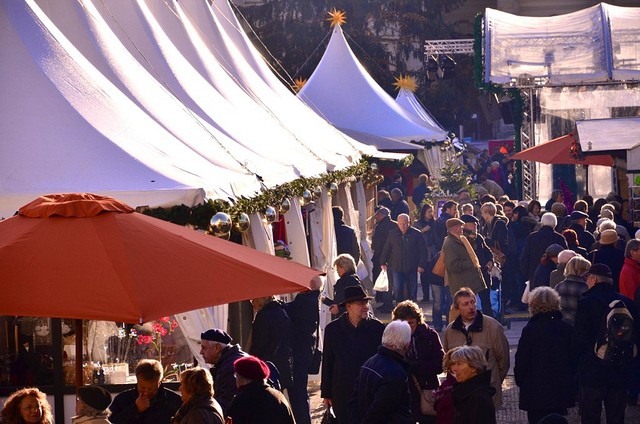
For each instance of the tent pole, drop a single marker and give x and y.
(586, 179)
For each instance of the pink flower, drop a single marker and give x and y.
(163, 319)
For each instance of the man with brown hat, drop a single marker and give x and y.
(348, 342)
(462, 266)
(256, 400)
(607, 253)
(218, 351)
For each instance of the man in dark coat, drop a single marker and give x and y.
(381, 232)
(537, 242)
(420, 190)
(600, 380)
(399, 205)
(607, 253)
(271, 335)
(346, 239)
(381, 392)
(449, 210)
(148, 402)
(405, 254)
(217, 350)
(256, 401)
(579, 225)
(348, 342)
(304, 314)
(485, 257)
(494, 230)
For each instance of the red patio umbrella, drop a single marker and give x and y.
(558, 152)
(86, 256)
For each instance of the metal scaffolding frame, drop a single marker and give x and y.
(437, 47)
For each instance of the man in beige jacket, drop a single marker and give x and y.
(473, 328)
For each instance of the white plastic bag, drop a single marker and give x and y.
(382, 282)
(525, 293)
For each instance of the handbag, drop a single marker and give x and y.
(438, 267)
(382, 282)
(426, 398)
(316, 358)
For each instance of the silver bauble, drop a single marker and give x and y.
(270, 214)
(374, 167)
(242, 223)
(284, 206)
(306, 197)
(332, 189)
(220, 224)
(317, 192)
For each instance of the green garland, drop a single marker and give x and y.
(200, 215)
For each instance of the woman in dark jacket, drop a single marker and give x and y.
(548, 263)
(573, 243)
(426, 226)
(519, 228)
(424, 355)
(198, 404)
(472, 392)
(543, 365)
(346, 268)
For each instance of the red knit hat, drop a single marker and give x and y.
(251, 368)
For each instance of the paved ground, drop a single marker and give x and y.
(509, 412)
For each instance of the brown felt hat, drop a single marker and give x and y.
(454, 222)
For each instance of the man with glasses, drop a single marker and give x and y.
(348, 342)
(148, 402)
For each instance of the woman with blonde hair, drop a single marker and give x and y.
(198, 404)
(27, 406)
(572, 287)
(472, 392)
(543, 365)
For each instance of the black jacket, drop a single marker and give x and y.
(257, 403)
(379, 238)
(346, 240)
(404, 252)
(203, 410)
(381, 392)
(224, 382)
(473, 400)
(271, 335)
(535, 245)
(585, 238)
(609, 255)
(164, 406)
(440, 230)
(543, 368)
(347, 280)
(345, 349)
(592, 309)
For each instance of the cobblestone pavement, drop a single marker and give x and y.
(509, 412)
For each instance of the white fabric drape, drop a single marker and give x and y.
(296, 235)
(365, 247)
(434, 160)
(261, 235)
(193, 323)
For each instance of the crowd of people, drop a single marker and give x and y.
(574, 267)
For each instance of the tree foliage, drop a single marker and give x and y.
(385, 35)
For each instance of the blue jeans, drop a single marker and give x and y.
(408, 280)
(441, 297)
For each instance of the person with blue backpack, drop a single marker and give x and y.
(604, 346)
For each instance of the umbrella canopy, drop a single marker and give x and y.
(92, 257)
(558, 152)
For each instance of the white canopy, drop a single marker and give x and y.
(408, 100)
(599, 43)
(343, 92)
(138, 100)
(598, 135)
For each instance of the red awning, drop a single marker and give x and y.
(558, 152)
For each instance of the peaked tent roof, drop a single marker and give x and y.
(408, 100)
(344, 93)
(133, 100)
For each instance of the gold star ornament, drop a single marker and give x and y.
(337, 17)
(298, 83)
(407, 82)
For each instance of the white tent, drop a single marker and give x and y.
(341, 90)
(407, 99)
(131, 99)
(596, 44)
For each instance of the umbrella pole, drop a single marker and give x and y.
(586, 179)
(79, 353)
(58, 372)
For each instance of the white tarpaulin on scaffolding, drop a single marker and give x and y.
(596, 44)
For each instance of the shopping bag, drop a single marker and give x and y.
(382, 282)
(525, 293)
(438, 267)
